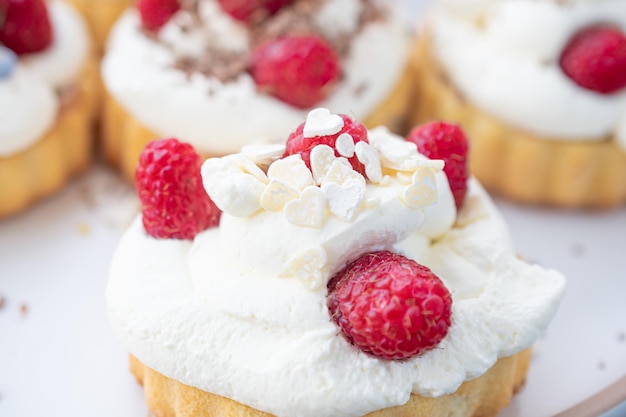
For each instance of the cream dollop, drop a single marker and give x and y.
(28, 97)
(139, 73)
(218, 313)
(504, 57)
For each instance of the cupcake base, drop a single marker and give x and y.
(101, 15)
(124, 137)
(484, 396)
(63, 151)
(517, 164)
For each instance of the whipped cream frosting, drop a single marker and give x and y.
(503, 56)
(28, 97)
(241, 310)
(139, 72)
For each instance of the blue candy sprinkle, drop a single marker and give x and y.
(8, 61)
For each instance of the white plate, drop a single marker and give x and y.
(61, 358)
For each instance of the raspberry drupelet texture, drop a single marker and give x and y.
(252, 10)
(595, 59)
(390, 306)
(174, 202)
(297, 143)
(439, 140)
(156, 13)
(25, 26)
(299, 70)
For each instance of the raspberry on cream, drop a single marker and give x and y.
(513, 73)
(241, 311)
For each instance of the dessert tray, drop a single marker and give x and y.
(59, 356)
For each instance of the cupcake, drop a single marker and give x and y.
(47, 88)
(540, 86)
(333, 276)
(223, 74)
(101, 15)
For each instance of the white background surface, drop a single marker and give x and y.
(61, 358)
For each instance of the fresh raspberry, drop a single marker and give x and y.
(595, 59)
(440, 140)
(252, 10)
(300, 71)
(298, 144)
(156, 13)
(169, 184)
(390, 306)
(26, 27)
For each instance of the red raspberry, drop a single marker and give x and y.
(390, 306)
(298, 70)
(595, 59)
(297, 143)
(440, 140)
(156, 13)
(26, 27)
(252, 10)
(169, 184)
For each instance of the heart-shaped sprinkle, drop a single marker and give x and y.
(307, 267)
(308, 210)
(422, 191)
(393, 151)
(341, 171)
(344, 199)
(368, 156)
(263, 154)
(345, 145)
(322, 158)
(320, 122)
(248, 166)
(291, 170)
(277, 194)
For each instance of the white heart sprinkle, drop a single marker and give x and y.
(236, 194)
(308, 210)
(392, 149)
(322, 158)
(291, 170)
(340, 172)
(320, 122)
(344, 199)
(277, 194)
(247, 165)
(368, 156)
(307, 267)
(263, 154)
(345, 145)
(423, 190)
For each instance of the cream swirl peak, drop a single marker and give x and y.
(504, 56)
(226, 311)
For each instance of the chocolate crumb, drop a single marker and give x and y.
(578, 250)
(361, 88)
(2, 302)
(24, 309)
(601, 365)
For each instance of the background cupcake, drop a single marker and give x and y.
(47, 100)
(540, 88)
(220, 74)
(101, 15)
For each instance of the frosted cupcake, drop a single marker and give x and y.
(101, 15)
(341, 280)
(222, 74)
(47, 87)
(541, 88)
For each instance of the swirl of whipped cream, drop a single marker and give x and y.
(504, 57)
(139, 72)
(61, 63)
(207, 315)
(29, 106)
